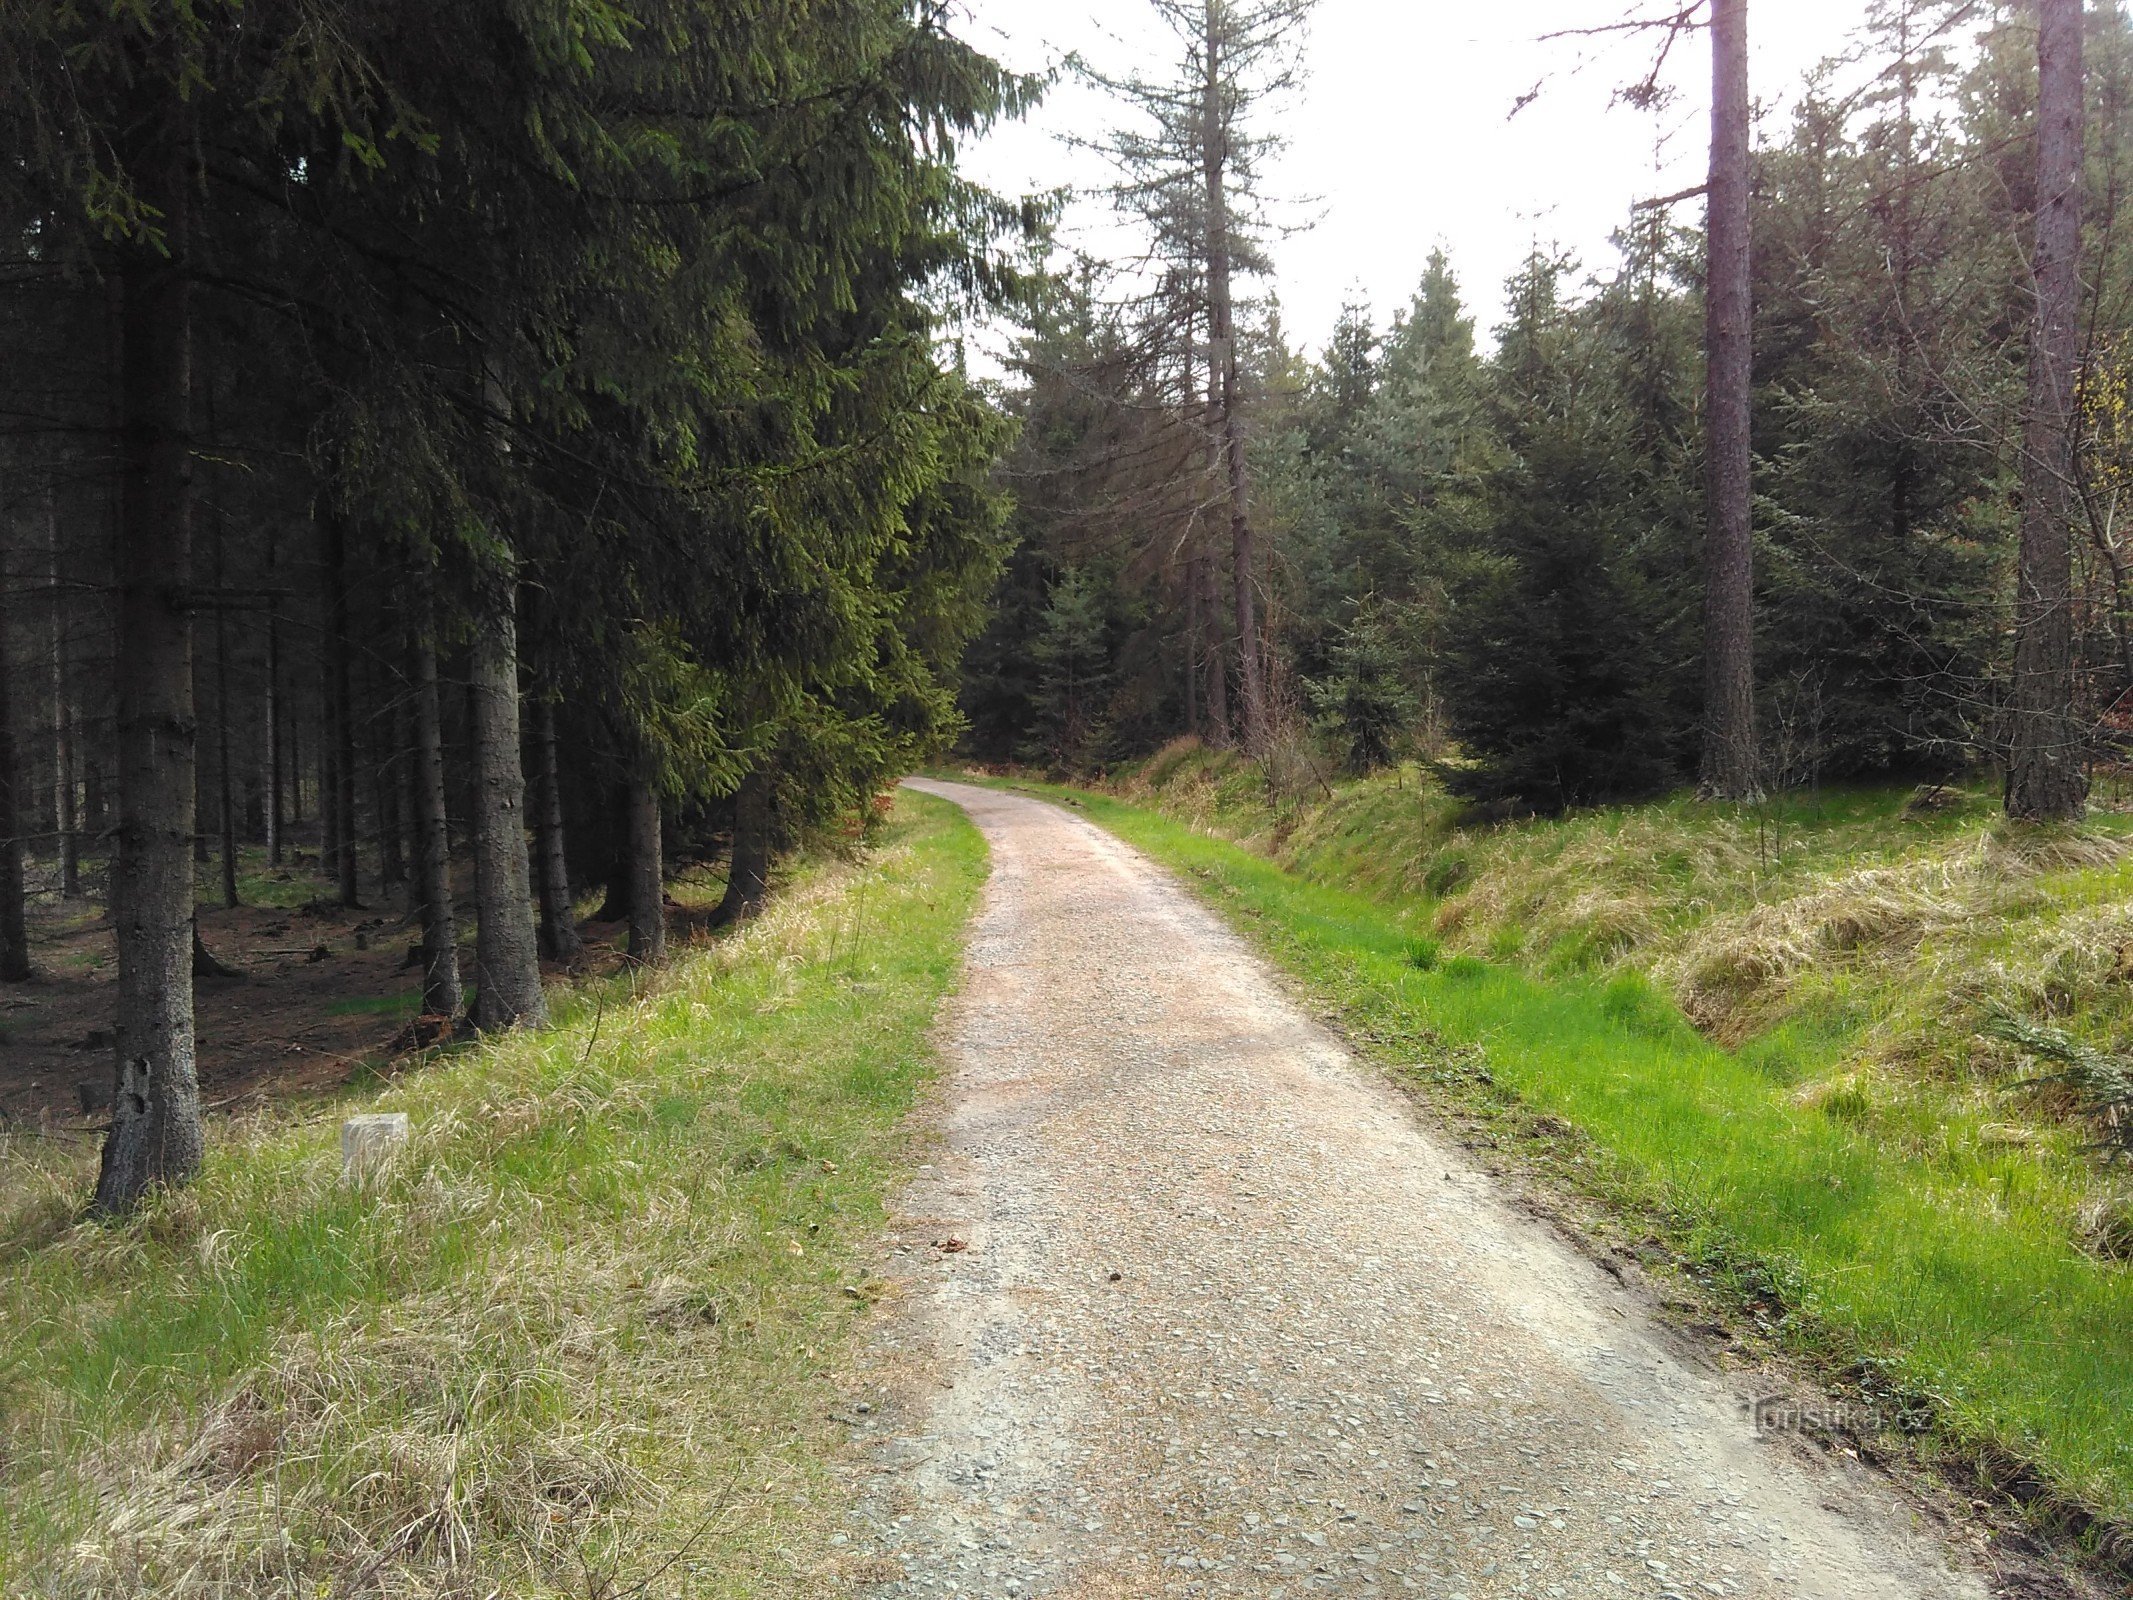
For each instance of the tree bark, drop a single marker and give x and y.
(1731, 769)
(202, 807)
(226, 804)
(507, 951)
(385, 758)
(1215, 661)
(325, 783)
(14, 919)
(2047, 778)
(1192, 644)
(559, 914)
(156, 1132)
(204, 963)
(748, 881)
(1223, 353)
(441, 995)
(66, 805)
(647, 879)
(293, 734)
(340, 686)
(270, 720)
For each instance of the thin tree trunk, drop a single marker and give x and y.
(1731, 771)
(340, 683)
(1214, 662)
(14, 920)
(66, 802)
(648, 902)
(202, 809)
(1192, 645)
(403, 727)
(507, 951)
(748, 881)
(385, 759)
(293, 736)
(441, 995)
(559, 915)
(1223, 342)
(1195, 623)
(156, 1132)
(227, 806)
(325, 783)
(2047, 778)
(270, 721)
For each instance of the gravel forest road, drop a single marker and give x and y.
(1218, 1315)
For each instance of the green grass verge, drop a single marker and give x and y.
(1875, 925)
(1943, 1254)
(582, 1337)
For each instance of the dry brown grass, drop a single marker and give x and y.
(579, 1341)
(1862, 913)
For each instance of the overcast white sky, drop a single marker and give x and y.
(1401, 132)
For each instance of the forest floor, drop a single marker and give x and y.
(321, 991)
(321, 994)
(1195, 1304)
(586, 1337)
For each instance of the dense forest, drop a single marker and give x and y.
(1495, 555)
(507, 434)
(504, 451)
(732, 864)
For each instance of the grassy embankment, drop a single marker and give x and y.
(580, 1340)
(1832, 1143)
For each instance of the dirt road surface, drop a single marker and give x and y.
(1194, 1305)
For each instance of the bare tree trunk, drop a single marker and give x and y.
(507, 951)
(156, 1132)
(1195, 625)
(1731, 770)
(325, 783)
(441, 995)
(293, 735)
(1192, 644)
(270, 720)
(1215, 661)
(201, 808)
(748, 880)
(66, 805)
(385, 758)
(14, 920)
(227, 812)
(648, 901)
(559, 914)
(339, 682)
(1223, 341)
(2047, 778)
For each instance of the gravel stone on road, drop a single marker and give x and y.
(1192, 1304)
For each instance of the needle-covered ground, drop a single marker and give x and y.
(582, 1340)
